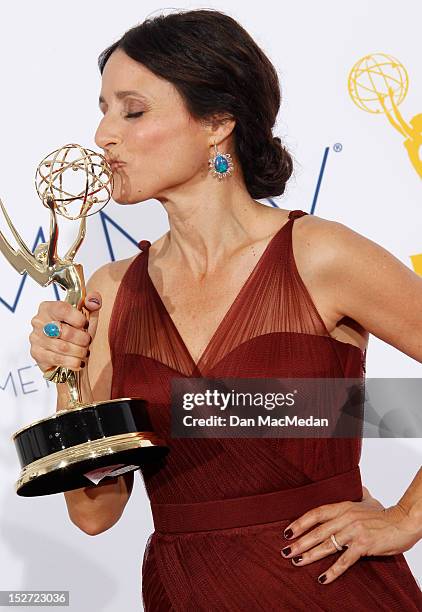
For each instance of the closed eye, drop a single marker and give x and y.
(134, 115)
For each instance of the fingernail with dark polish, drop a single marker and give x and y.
(322, 578)
(286, 551)
(82, 364)
(288, 533)
(297, 559)
(88, 353)
(86, 325)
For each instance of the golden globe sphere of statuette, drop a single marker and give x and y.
(80, 193)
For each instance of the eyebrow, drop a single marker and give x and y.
(123, 94)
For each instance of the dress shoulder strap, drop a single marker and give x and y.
(295, 214)
(144, 245)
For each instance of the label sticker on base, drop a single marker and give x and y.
(110, 471)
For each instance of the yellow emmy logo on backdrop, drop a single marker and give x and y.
(378, 83)
(417, 263)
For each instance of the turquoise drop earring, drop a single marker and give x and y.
(221, 164)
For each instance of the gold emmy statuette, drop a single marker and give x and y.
(88, 441)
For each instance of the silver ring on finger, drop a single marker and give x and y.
(53, 329)
(336, 544)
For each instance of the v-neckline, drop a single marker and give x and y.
(229, 309)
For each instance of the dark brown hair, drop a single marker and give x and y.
(218, 70)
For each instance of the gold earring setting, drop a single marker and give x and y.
(221, 164)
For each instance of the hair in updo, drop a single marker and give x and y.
(219, 71)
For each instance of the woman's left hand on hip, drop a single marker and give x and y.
(362, 528)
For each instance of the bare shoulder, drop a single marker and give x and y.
(333, 251)
(316, 243)
(109, 275)
(315, 247)
(328, 233)
(359, 279)
(315, 228)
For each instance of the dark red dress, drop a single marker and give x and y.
(220, 505)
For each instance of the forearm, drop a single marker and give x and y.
(411, 503)
(95, 509)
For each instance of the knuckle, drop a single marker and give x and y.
(317, 514)
(37, 353)
(43, 306)
(78, 318)
(74, 363)
(75, 336)
(319, 532)
(79, 338)
(362, 547)
(78, 352)
(36, 322)
(78, 322)
(335, 570)
(351, 515)
(63, 347)
(67, 362)
(55, 312)
(357, 526)
(67, 332)
(62, 309)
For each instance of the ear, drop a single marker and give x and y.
(219, 128)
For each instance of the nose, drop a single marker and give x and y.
(106, 136)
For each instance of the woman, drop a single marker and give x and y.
(234, 289)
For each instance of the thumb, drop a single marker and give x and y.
(93, 303)
(370, 499)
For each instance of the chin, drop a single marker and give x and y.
(121, 202)
(124, 195)
(120, 198)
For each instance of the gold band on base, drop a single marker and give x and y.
(87, 450)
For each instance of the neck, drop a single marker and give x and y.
(207, 227)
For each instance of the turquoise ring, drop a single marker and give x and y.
(53, 329)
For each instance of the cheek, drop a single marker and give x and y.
(165, 141)
(147, 137)
(159, 156)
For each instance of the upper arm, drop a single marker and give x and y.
(370, 285)
(106, 281)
